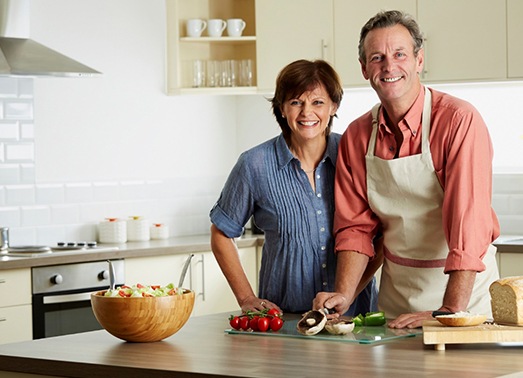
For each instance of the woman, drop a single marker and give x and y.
(286, 185)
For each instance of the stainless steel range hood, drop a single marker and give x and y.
(21, 56)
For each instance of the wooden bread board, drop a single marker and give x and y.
(435, 333)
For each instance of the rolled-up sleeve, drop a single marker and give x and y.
(355, 224)
(465, 169)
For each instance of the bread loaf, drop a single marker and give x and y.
(506, 297)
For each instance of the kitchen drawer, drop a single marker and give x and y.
(15, 324)
(15, 287)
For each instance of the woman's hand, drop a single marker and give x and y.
(254, 303)
(411, 320)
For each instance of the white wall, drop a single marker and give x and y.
(118, 146)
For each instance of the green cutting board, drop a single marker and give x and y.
(361, 335)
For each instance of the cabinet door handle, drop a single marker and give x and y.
(324, 47)
(203, 277)
(425, 71)
(2, 280)
(3, 319)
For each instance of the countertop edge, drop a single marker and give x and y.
(177, 245)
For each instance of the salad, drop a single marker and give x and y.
(140, 290)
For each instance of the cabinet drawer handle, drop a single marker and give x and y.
(3, 319)
(2, 280)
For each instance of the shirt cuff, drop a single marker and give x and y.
(460, 260)
(355, 241)
(225, 224)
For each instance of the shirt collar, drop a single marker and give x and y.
(412, 119)
(285, 155)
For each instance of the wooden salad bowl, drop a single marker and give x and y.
(143, 319)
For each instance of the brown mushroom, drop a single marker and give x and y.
(311, 323)
(339, 326)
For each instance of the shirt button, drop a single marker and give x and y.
(414, 132)
(318, 176)
(318, 212)
(325, 284)
(323, 248)
(391, 148)
(323, 266)
(318, 195)
(322, 229)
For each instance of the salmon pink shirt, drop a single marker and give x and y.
(462, 154)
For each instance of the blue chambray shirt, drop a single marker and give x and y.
(298, 257)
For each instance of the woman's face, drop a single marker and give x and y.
(308, 115)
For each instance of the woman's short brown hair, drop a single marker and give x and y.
(301, 76)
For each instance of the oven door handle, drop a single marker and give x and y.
(50, 299)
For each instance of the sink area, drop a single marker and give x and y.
(37, 251)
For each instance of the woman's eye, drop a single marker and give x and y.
(295, 102)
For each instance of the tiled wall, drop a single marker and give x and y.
(44, 213)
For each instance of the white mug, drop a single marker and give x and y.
(215, 27)
(195, 27)
(235, 27)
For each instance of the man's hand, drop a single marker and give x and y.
(411, 320)
(331, 301)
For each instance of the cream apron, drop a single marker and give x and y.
(406, 195)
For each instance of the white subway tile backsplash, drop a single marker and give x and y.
(81, 232)
(22, 236)
(133, 190)
(20, 195)
(50, 235)
(65, 214)
(35, 215)
(500, 203)
(50, 194)
(2, 196)
(507, 183)
(8, 87)
(106, 191)
(9, 131)
(25, 88)
(27, 173)
(18, 109)
(78, 192)
(10, 216)
(9, 174)
(511, 224)
(27, 130)
(19, 152)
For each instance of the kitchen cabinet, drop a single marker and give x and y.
(204, 277)
(15, 306)
(183, 50)
(349, 18)
(510, 264)
(289, 30)
(464, 40)
(280, 31)
(515, 32)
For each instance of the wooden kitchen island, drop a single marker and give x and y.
(202, 349)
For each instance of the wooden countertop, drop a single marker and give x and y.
(178, 245)
(202, 348)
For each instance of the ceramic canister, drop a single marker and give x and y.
(112, 230)
(159, 231)
(137, 229)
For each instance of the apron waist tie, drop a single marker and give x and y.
(413, 263)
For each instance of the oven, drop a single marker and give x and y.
(61, 296)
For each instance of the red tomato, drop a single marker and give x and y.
(139, 285)
(273, 312)
(244, 323)
(253, 323)
(154, 287)
(263, 324)
(234, 321)
(276, 323)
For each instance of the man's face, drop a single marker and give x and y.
(392, 67)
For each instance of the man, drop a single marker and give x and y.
(417, 169)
